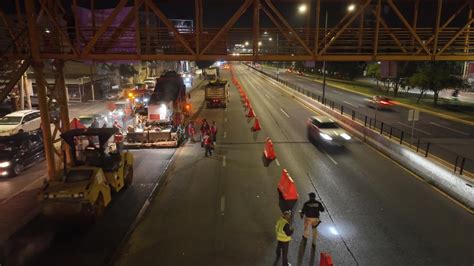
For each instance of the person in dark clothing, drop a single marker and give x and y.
(213, 130)
(283, 232)
(207, 144)
(310, 213)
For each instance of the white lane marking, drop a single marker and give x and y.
(457, 131)
(353, 105)
(223, 161)
(268, 96)
(277, 162)
(427, 133)
(225, 134)
(225, 120)
(330, 158)
(283, 111)
(222, 205)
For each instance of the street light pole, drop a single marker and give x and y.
(324, 62)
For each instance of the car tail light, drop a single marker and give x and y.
(384, 102)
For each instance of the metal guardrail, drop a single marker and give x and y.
(460, 164)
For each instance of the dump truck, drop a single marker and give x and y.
(98, 170)
(216, 93)
(161, 125)
(211, 73)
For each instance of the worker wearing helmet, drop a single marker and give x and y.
(310, 212)
(283, 232)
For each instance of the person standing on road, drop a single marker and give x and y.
(95, 123)
(310, 212)
(191, 131)
(207, 145)
(283, 232)
(214, 132)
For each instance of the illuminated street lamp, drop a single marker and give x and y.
(351, 7)
(259, 43)
(246, 43)
(270, 39)
(302, 8)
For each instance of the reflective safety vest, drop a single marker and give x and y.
(280, 233)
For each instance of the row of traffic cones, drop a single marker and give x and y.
(251, 114)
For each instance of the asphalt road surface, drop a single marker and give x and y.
(450, 137)
(44, 242)
(222, 210)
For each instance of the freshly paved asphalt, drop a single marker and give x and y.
(450, 138)
(222, 210)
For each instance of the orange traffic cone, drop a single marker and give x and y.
(251, 113)
(269, 152)
(325, 260)
(287, 186)
(256, 125)
(247, 103)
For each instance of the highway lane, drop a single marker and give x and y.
(364, 192)
(221, 210)
(450, 138)
(428, 126)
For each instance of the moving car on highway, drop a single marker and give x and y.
(20, 121)
(379, 102)
(326, 131)
(20, 151)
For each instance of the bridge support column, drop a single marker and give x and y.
(41, 87)
(62, 101)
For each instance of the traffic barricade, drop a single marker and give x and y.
(287, 186)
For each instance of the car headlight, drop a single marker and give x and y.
(50, 196)
(5, 164)
(120, 113)
(345, 136)
(325, 136)
(187, 80)
(145, 100)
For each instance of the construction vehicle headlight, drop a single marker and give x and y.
(5, 164)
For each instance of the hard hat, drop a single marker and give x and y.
(312, 195)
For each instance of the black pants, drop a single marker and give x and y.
(282, 249)
(208, 149)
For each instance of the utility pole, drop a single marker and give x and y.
(324, 62)
(38, 66)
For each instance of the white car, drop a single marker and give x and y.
(20, 121)
(326, 130)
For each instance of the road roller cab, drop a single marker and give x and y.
(98, 170)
